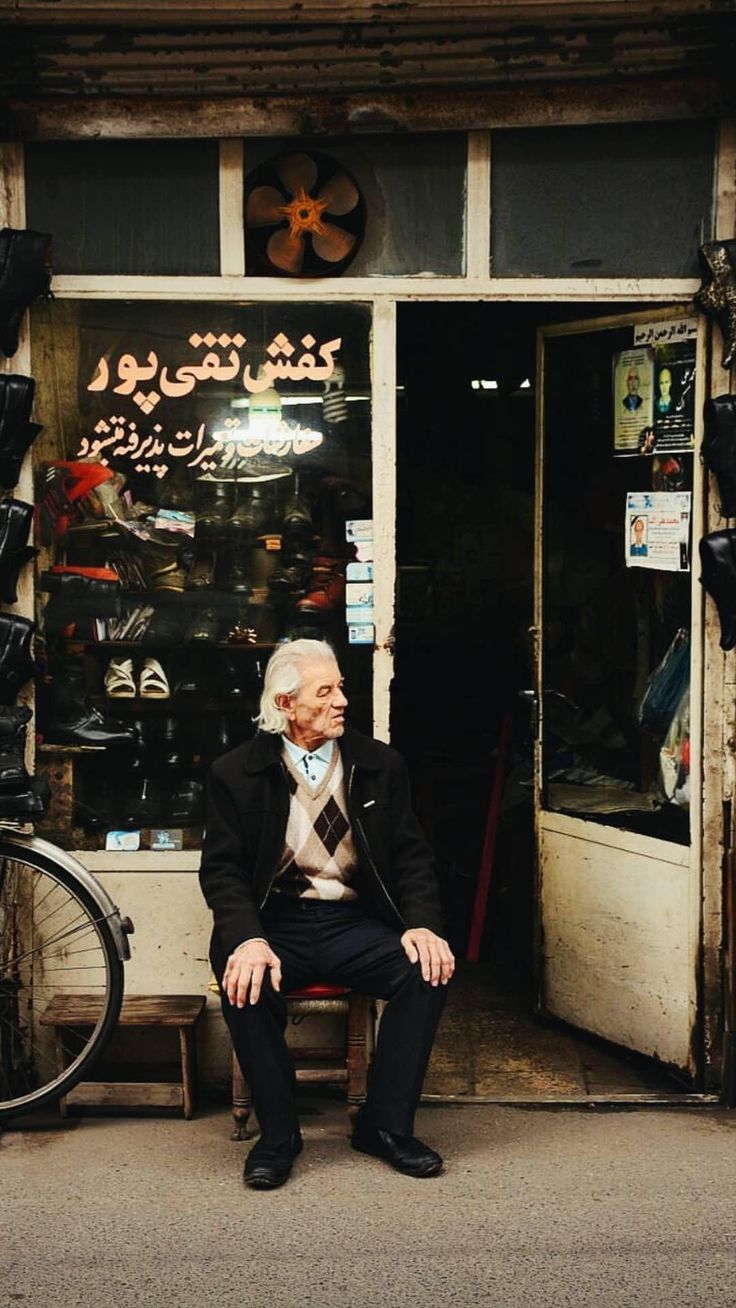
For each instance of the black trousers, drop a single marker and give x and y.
(338, 944)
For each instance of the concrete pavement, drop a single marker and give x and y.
(546, 1208)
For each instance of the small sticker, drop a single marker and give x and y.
(169, 838)
(126, 840)
(359, 595)
(359, 572)
(359, 615)
(359, 529)
(360, 633)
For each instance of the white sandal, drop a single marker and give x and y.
(153, 683)
(119, 680)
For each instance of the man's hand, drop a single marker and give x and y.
(245, 970)
(423, 946)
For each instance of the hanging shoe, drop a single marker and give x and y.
(17, 665)
(16, 517)
(17, 432)
(13, 772)
(153, 682)
(717, 296)
(119, 679)
(29, 804)
(25, 274)
(326, 587)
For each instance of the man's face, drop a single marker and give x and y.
(639, 531)
(632, 381)
(317, 712)
(665, 384)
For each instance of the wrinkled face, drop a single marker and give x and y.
(632, 381)
(317, 712)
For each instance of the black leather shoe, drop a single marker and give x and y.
(25, 273)
(268, 1166)
(404, 1152)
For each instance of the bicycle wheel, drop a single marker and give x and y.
(57, 957)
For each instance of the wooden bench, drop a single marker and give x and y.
(181, 1012)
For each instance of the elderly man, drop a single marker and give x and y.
(315, 869)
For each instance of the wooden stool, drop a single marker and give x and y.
(349, 1064)
(179, 1011)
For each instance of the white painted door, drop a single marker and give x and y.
(618, 878)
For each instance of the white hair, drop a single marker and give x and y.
(284, 675)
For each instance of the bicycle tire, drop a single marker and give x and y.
(92, 917)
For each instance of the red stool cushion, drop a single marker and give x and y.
(318, 992)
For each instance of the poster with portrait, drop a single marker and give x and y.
(633, 399)
(674, 391)
(657, 530)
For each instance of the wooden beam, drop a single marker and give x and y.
(553, 105)
(174, 12)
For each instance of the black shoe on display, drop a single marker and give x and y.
(17, 665)
(25, 274)
(213, 507)
(232, 678)
(168, 626)
(232, 571)
(269, 1165)
(201, 575)
(144, 804)
(403, 1152)
(66, 716)
(250, 515)
(15, 524)
(185, 807)
(205, 626)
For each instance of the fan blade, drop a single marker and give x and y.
(340, 194)
(333, 244)
(298, 172)
(263, 207)
(286, 251)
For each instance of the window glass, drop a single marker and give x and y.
(630, 200)
(412, 189)
(204, 491)
(148, 207)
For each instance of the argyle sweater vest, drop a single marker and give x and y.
(319, 855)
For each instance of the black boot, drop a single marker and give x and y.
(25, 274)
(15, 524)
(719, 448)
(214, 505)
(232, 570)
(16, 661)
(20, 794)
(68, 718)
(718, 294)
(13, 773)
(17, 432)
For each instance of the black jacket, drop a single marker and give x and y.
(247, 811)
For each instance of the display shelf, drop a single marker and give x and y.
(230, 646)
(48, 747)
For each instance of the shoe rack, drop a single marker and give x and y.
(157, 621)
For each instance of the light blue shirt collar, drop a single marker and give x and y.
(313, 763)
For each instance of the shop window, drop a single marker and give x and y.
(146, 207)
(630, 200)
(412, 189)
(204, 491)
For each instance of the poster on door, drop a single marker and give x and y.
(633, 399)
(657, 530)
(673, 345)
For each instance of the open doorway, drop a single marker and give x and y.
(465, 603)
